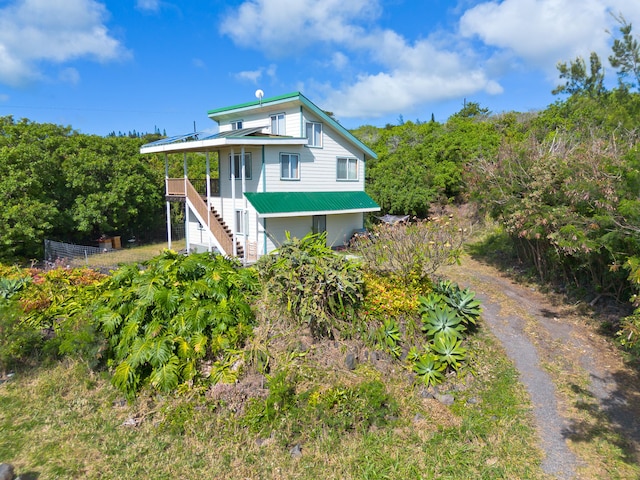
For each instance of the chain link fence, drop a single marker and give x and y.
(109, 253)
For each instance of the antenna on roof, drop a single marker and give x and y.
(259, 95)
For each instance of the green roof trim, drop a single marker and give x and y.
(289, 204)
(254, 103)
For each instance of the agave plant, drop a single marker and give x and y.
(464, 302)
(10, 286)
(442, 320)
(449, 350)
(430, 369)
(429, 302)
(389, 334)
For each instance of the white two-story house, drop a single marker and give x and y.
(283, 166)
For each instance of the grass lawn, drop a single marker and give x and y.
(114, 258)
(66, 421)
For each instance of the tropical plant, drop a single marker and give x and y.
(429, 368)
(449, 350)
(411, 252)
(319, 288)
(162, 320)
(10, 286)
(390, 336)
(442, 320)
(462, 301)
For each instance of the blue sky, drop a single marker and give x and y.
(102, 66)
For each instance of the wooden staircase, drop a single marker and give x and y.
(213, 221)
(227, 230)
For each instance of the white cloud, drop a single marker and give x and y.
(69, 75)
(148, 5)
(280, 27)
(388, 73)
(421, 74)
(198, 63)
(541, 32)
(250, 75)
(4, 97)
(35, 31)
(254, 76)
(339, 60)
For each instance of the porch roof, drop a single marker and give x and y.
(201, 142)
(297, 204)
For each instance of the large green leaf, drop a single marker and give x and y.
(165, 377)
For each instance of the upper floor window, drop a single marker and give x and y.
(277, 124)
(289, 166)
(237, 125)
(235, 162)
(314, 134)
(347, 169)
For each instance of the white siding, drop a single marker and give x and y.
(262, 118)
(340, 228)
(318, 172)
(298, 227)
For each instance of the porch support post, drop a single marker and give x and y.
(208, 180)
(243, 219)
(186, 205)
(166, 192)
(233, 203)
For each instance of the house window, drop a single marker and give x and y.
(240, 222)
(314, 134)
(289, 166)
(237, 165)
(277, 124)
(319, 224)
(237, 125)
(347, 169)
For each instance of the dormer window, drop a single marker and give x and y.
(314, 134)
(277, 124)
(237, 125)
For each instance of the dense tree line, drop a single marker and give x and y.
(563, 183)
(58, 183)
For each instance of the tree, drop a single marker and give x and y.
(578, 80)
(30, 171)
(626, 56)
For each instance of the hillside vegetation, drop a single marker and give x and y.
(367, 365)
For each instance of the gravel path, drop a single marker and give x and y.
(537, 334)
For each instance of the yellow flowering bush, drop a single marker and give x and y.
(385, 296)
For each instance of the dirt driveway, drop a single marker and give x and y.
(586, 401)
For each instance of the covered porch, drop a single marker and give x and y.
(202, 196)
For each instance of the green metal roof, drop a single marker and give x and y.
(288, 204)
(254, 103)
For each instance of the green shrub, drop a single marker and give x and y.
(162, 320)
(20, 343)
(320, 288)
(446, 313)
(411, 252)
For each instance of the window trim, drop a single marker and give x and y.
(235, 126)
(284, 123)
(318, 224)
(290, 179)
(348, 161)
(241, 219)
(247, 165)
(309, 139)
